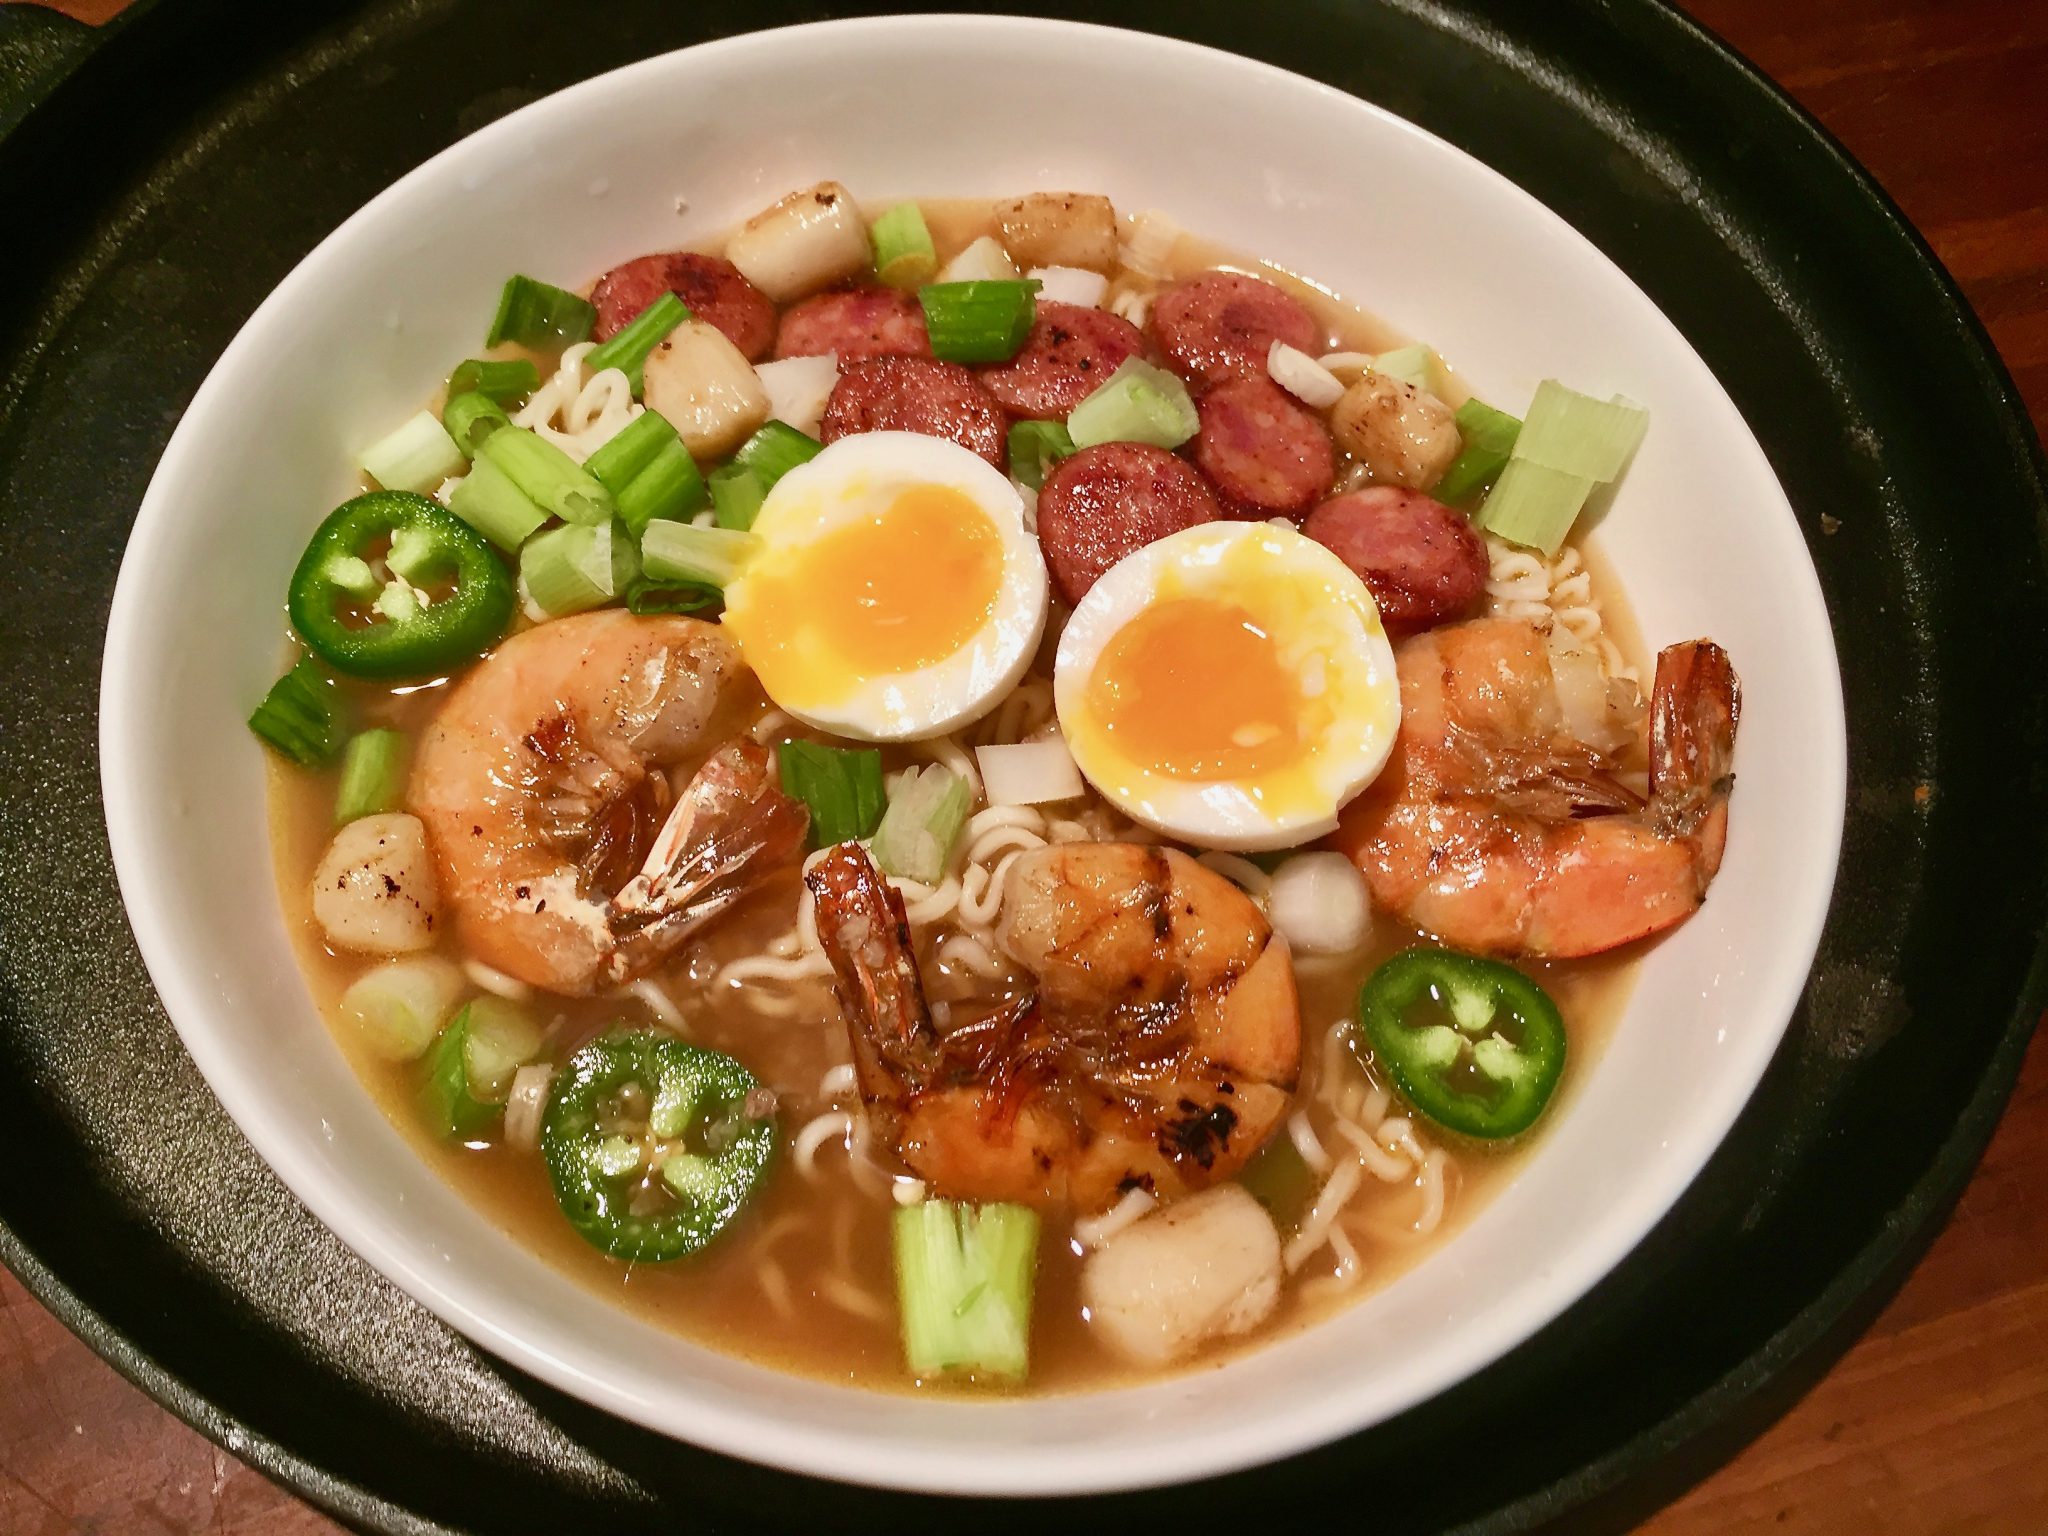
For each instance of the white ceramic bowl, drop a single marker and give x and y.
(650, 156)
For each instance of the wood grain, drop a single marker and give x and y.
(1936, 1423)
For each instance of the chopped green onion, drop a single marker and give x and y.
(416, 457)
(489, 502)
(736, 496)
(629, 450)
(669, 489)
(499, 1040)
(1137, 404)
(645, 597)
(538, 314)
(453, 1110)
(711, 557)
(978, 322)
(1534, 506)
(842, 786)
(923, 823)
(774, 450)
(1035, 446)
(577, 567)
(472, 417)
(296, 718)
(904, 253)
(629, 346)
(502, 379)
(397, 1008)
(1415, 365)
(372, 776)
(555, 482)
(1488, 436)
(963, 1281)
(1575, 434)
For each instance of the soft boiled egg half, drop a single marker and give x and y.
(1229, 685)
(895, 593)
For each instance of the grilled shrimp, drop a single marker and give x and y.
(566, 857)
(1498, 830)
(1158, 1048)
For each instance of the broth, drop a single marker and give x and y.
(803, 1281)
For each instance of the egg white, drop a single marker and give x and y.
(1338, 629)
(852, 479)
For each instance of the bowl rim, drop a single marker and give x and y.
(817, 1451)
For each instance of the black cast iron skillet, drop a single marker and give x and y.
(159, 181)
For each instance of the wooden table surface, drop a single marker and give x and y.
(1937, 1421)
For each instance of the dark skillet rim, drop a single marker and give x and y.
(1813, 1337)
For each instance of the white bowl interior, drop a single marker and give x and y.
(686, 144)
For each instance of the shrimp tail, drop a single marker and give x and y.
(865, 933)
(1693, 712)
(728, 831)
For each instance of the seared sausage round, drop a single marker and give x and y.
(916, 394)
(1268, 455)
(857, 323)
(1220, 325)
(711, 286)
(1071, 349)
(1423, 562)
(1100, 504)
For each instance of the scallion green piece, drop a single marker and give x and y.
(1416, 365)
(963, 1282)
(372, 775)
(978, 322)
(416, 457)
(555, 482)
(736, 496)
(1137, 404)
(904, 253)
(577, 566)
(708, 557)
(1576, 434)
(489, 502)
(472, 417)
(296, 717)
(645, 596)
(669, 489)
(628, 348)
(1533, 506)
(499, 1039)
(1488, 435)
(842, 786)
(538, 314)
(774, 450)
(1035, 446)
(631, 449)
(927, 810)
(504, 380)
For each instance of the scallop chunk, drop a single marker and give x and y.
(1203, 1268)
(706, 389)
(1404, 435)
(1060, 229)
(374, 892)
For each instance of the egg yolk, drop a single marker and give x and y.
(1194, 688)
(898, 589)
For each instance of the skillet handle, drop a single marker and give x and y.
(38, 48)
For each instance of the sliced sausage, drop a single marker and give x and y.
(1103, 502)
(1070, 350)
(916, 394)
(1268, 455)
(857, 323)
(1220, 325)
(1423, 562)
(712, 287)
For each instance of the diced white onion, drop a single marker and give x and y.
(1150, 246)
(798, 388)
(1347, 366)
(525, 1105)
(1070, 285)
(1028, 772)
(809, 240)
(1318, 903)
(1303, 377)
(985, 259)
